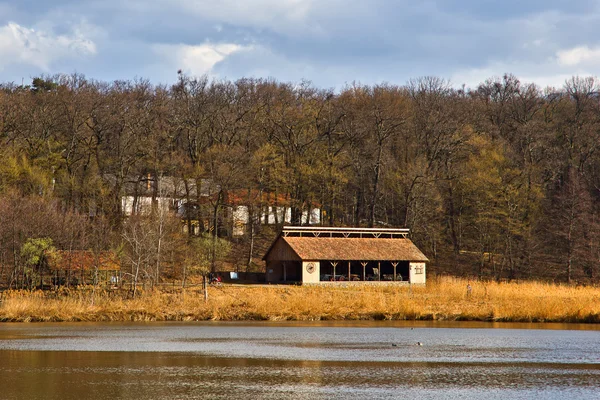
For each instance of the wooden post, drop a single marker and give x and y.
(379, 270)
(334, 263)
(364, 264)
(395, 264)
(349, 270)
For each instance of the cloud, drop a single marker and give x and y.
(196, 59)
(281, 16)
(330, 42)
(548, 72)
(39, 48)
(527, 73)
(579, 55)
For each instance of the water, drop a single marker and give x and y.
(367, 360)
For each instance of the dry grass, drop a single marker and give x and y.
(442, 299)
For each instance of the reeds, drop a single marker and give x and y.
(444, 299)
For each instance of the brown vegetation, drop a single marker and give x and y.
(500, 181)
(443, 299)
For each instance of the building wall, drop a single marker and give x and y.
(274, 272)
(143, 204)
(311, 271)
(417, 272)
(281, 251)
(241, 217)
(359, 284)
(313, 218)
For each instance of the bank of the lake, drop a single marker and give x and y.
(443, 299)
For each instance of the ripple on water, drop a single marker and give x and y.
(258, 361)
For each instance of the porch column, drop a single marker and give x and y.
(364, 264)
(334, 263)
(379, 270)
(395, 264)
(349, 272)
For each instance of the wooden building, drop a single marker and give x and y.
(318, 254)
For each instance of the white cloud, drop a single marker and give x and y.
(552, 70)
(579, 55)
(39, 48)
(199, 59)
(542, 74)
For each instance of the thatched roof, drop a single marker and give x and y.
(336, 248)
(76, 260)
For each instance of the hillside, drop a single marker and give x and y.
(500, 181)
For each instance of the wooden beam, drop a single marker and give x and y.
(349, 271)
(334, 263)
(364, 265)
(297, 229)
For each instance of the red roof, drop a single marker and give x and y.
(243, 197)
(76, 260)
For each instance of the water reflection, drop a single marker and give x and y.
(308, 361)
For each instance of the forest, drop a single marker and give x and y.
(501, 181)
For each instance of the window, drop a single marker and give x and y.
(418, 270)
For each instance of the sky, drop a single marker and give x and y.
(331, 43)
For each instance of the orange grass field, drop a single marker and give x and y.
(443, 299)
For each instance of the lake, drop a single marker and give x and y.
(346, 360)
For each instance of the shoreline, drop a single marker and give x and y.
(442, 299)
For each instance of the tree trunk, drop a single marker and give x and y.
(213, 259)
(451, 211)
(375, 185)
(251, 250)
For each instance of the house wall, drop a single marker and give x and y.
(269, 217)
(241, 217)
(275, 271)
(143, 204)
(313, 218)
(307, 275)
(417, 272)
(359, 284)
(281, 251)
